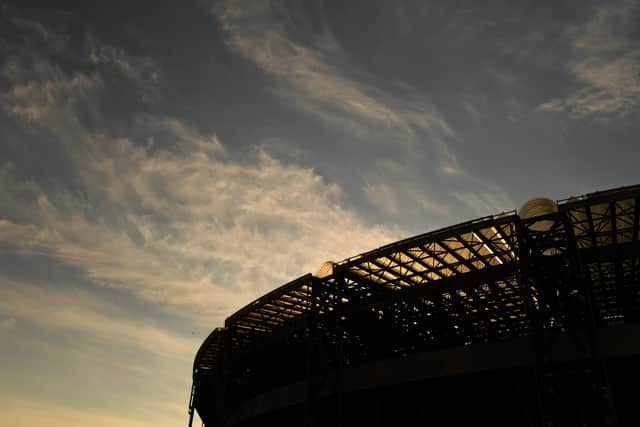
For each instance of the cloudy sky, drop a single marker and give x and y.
(164, 163)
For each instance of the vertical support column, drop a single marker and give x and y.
(599, 372)
(339, 291)
(527, 278)
(311, 331)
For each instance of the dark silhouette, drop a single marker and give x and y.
(527, 319)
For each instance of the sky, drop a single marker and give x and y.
(164, 163)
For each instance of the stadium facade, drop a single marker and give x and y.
(515, 319)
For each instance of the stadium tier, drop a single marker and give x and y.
(515, 319)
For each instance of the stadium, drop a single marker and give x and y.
(524, 318)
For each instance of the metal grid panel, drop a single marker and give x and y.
(436, 256)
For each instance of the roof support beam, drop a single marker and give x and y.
(404, 264)
(420, 262)
(441, 260)
(457, 256)
(472, 250)
(623, 303)
(496, 252)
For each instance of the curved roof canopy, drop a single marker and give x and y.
(483, 253)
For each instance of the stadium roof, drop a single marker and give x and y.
(481, 254)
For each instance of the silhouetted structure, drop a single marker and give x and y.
(505, 320)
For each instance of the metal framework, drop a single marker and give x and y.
(569, 278)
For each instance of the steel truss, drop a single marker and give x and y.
(497, 279)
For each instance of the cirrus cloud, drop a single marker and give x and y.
(184, 224)
(605, 63)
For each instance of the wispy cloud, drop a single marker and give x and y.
(184, 224)
(8, 323)
(162, 212)
(318, 78)
(78, 310)
(606, 63)
(142, 71)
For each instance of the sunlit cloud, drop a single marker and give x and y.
(185, 225)
(317, 77)
(78, 310)
(606, 64)
(161, 213)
